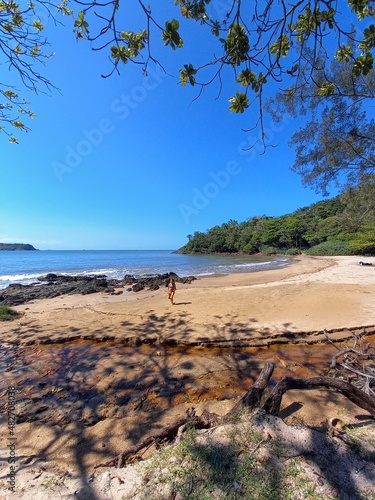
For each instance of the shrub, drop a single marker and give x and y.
(268, 250)
(7, 313)
(363, 242)
(293, 251)
(331, 248)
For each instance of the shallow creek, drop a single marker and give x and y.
(92, 381)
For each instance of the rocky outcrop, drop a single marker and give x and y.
(53, 285)
(154, 282)
(16, 246)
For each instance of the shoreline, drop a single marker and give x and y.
(117, 269)
(256, 308)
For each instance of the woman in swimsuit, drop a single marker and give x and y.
(171, 289)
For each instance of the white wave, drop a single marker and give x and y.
(255, 264)
(19, 277)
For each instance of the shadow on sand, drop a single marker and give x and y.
(67, 389)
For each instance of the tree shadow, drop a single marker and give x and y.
(136, 374)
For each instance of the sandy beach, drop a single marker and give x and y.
(144, 345)
(309, 296)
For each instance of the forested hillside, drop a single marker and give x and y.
(344, 225)
(16, 246)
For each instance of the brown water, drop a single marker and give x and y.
(93, 381)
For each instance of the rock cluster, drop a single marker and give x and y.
(54, 285)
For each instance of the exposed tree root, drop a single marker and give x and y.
(204, 421)
(271, 403)
(357, 396)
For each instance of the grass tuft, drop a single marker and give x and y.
(238, 465)
(8, 314)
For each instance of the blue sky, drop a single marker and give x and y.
(129, 162)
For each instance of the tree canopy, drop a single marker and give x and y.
(336, 143)
(344, 225)
(258, 42)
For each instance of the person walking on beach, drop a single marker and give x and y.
(171, 290)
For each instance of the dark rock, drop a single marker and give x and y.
(154, 287)
(53, 285)
(48, 277)
(128, 279)
(138, 287)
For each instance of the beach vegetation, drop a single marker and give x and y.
(363, 243)
(8, 314)
(331, 248)
(344, 225)
(235, 464)
(293, 251)
(250, 48)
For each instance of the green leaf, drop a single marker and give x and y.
(360, 7)
(281, 47)
(187, 75)
(237, 45)
(215, 30)
(38, 25)
(10, 94)
(120, 53)
(248, 78)
(326, 89)
(363, 64)
(368, 41)
(170, 35)
(238, 103)
(343, 53)
(18, 124)
(292, 70)
(82, 25)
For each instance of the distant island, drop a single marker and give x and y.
(16, 246)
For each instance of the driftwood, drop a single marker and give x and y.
(357, 396)
(356, 363)
(254, 395)
(204, 421)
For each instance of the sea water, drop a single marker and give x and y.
(26, 266)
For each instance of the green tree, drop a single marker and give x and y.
(216, 236)
(258, 42)
(321, 230)
(335, 146)
(291, 230)
(23, 48)
(359, 205)
(324, 228)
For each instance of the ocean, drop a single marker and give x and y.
(26, 266)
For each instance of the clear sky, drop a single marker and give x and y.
(129, 162)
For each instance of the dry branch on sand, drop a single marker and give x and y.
(356, 364)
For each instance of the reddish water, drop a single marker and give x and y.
(125, 378)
